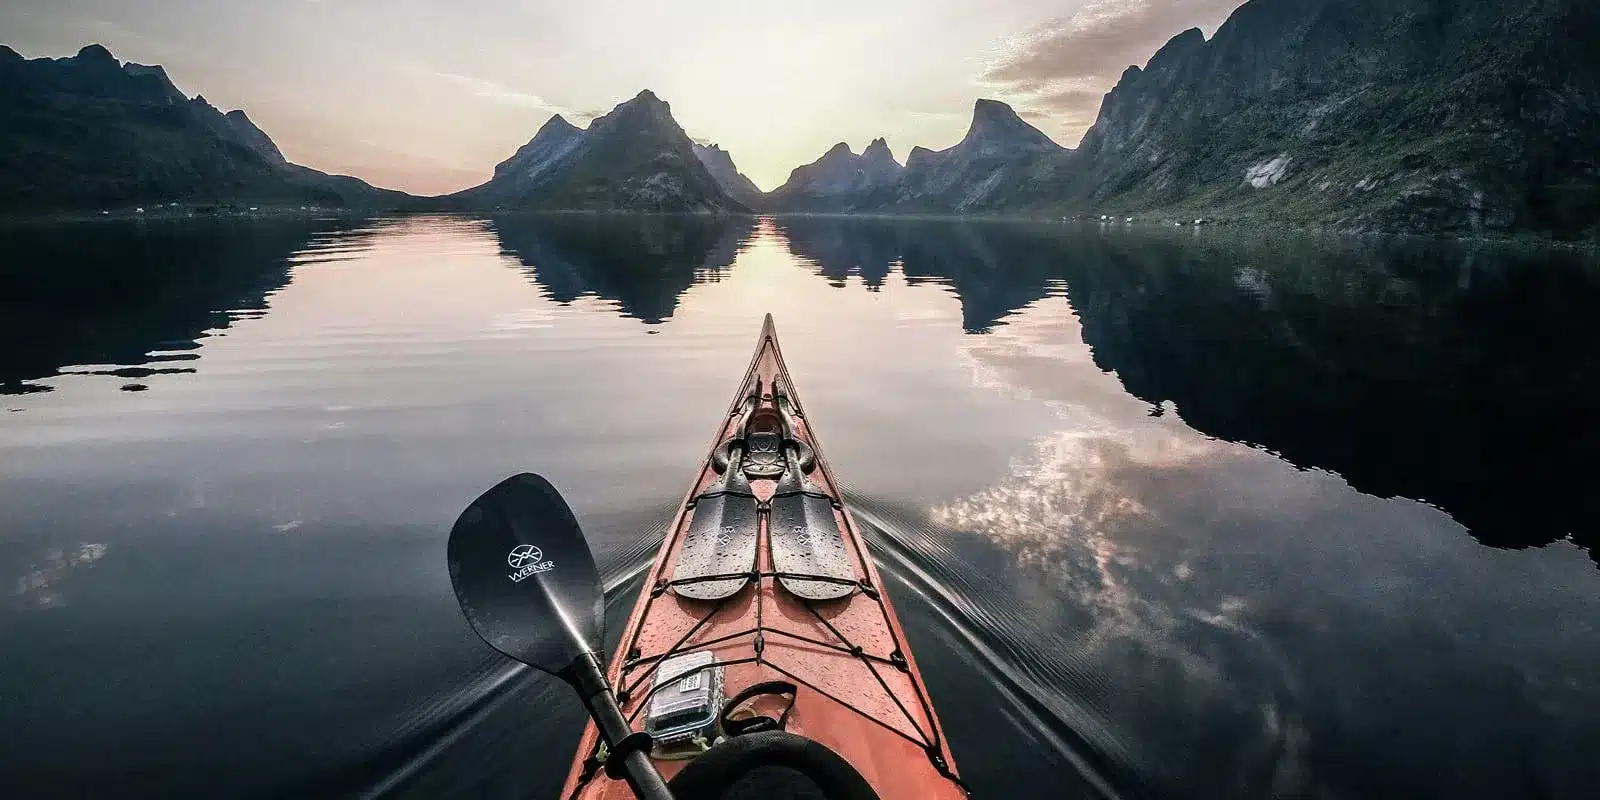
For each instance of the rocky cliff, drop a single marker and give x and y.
(1424, 115)
(720, 164)
(967, 177)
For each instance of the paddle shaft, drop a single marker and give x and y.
(590, 681)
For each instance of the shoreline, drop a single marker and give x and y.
(1123, 221)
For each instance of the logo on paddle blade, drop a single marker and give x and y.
(524, 553)
(527, 560)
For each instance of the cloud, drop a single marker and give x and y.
(497, 92)
(1062, 68)
(502, 94)
(1067, 106)
(1066, 99)
(1100, 40)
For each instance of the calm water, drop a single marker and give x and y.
(1166, 514)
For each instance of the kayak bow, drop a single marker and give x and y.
(805, 668)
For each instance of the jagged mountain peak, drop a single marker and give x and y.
(719, 163)
(9, 55)
(840, 180)
(156, 76)
(556, 124)
(1178, 47)
(997, 129)
(144, 69)
(919, 156)
(555, 139)
(645, 109)
(984, 107)
(635, 157)
(253, 137)
(645, 101)
(95, 53)
(877, 153)
(93, 141)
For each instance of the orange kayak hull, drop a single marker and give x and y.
(859, 691)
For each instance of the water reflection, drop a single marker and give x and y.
(1460, 375)
(839, 249)
(129, 300)
(995, 270)
(1227, 592)
(39, 584)
(1108, 595)
(642, 263)
(1428, 371)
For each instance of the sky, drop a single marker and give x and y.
(428, 96)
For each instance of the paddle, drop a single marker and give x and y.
(721, 539)
(527, 583)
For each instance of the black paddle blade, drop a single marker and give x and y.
(722, 539)
(525, 577)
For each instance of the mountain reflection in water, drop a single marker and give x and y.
(133, 296)
(643, 264)
(1460, 375)
(1144, 497)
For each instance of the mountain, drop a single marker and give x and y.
(1411, 115)
(720, 164)
(840, 180)
(554, 142)
(998, 147)
(92, 132)
(635, 158)
(253, 137)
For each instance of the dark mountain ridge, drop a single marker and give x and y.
(719, 163)
(955, 180)
(92, 132)
(1413, 115)
(1428, 116)
(635, 158)
(965, 176)
(840, 180)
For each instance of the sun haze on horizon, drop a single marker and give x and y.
(426, 98)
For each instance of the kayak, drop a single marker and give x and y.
(763, 657)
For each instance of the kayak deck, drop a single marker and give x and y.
(858, 691)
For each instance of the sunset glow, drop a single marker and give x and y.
(428, 97)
